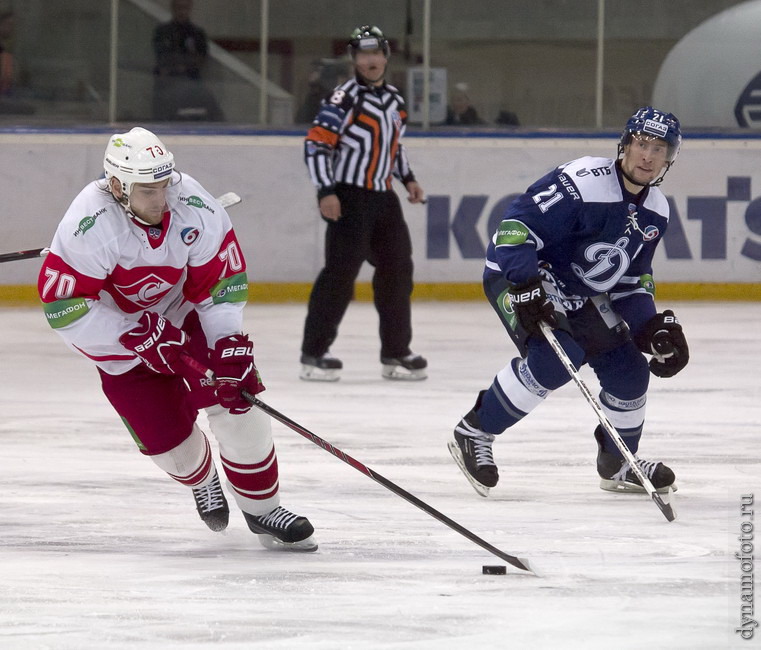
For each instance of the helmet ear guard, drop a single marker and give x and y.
(368, 37)
(137, 157)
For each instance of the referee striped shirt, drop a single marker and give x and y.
(355, 139)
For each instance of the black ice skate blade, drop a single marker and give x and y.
(627, 487)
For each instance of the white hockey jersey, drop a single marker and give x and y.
(105, 269)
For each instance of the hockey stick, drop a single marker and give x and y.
(23, 255)
(664, 506)
(519, 563)
(227, 200)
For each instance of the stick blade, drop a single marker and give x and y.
(229, 199)
(666, 505)
(525, 565)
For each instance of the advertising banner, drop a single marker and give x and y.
(714, 190)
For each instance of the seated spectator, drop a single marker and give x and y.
(507, 118)
(461, 111)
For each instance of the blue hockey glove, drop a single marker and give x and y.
(662, 337)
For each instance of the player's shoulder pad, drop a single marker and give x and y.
(94, 215)
(657, 202)
(187, 191)
(594, 177)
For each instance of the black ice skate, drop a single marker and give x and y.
(212, 505)
(323, 368)
(282, 530)
(471, 450)
(410, 367)
(616, 474)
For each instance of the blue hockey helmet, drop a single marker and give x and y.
(368, 37)
(651, 122)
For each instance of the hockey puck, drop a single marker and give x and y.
(494, 570)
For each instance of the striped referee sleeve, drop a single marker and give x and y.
(402, 168)
(321, 142)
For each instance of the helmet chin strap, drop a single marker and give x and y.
(631, 180)
(124, 202)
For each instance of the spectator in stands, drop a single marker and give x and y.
(181, 50)
(7, 73)
(10, 103)
(461, 111)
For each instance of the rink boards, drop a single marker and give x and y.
(712, 249)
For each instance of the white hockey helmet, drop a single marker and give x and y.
(137, 157)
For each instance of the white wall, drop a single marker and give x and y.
(714, 237)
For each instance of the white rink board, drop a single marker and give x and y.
(714, 186)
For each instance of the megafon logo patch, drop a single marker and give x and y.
(748, 106)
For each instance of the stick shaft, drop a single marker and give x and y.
(23, 255)
(390, 485)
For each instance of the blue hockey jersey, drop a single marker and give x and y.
(582, 226)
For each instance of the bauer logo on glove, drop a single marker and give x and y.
(157, 342)
(232, 361)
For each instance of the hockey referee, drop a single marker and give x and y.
(352, 151)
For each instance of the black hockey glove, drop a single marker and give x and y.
(663, 338)
(531, 306)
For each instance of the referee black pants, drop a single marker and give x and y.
(372, 229)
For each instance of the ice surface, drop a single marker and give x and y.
(99, 549)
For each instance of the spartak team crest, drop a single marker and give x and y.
(146, 292)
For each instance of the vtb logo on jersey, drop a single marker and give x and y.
(650, 232)
(397, 119)
(146, 292)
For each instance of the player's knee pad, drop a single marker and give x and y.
(626, 415)
(190, 462)
(544, 364)
(248, 457)
(246, 435)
